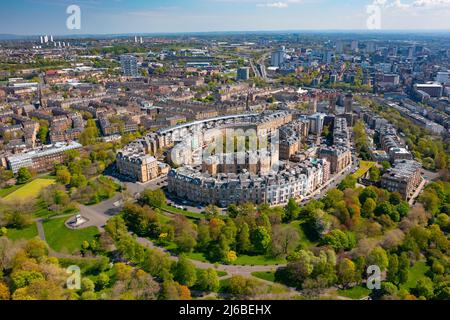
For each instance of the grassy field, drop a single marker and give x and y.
(6, 191)
(30, 190)
(415, 273)
(26, 233)
(304, 241)
(364, 166)
(267, 275)
(257, 260)
(65, 240)
(356, 293)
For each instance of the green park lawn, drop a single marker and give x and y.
(364, 166)
(6, 191)
(30, 190)
(356, 293)
(26, 233)
(259, 260)
(62, 239)
(415, 273)
(265, 275)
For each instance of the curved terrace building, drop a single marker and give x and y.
(252, 171)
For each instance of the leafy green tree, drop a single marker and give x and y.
(349, 182)
(185, 272)
(63, 176)
(154, 198)
(402, 208)
(346, 272)
(339, 240)
(395, 198)
(23, 175)
(261, 239)
(368, 208)
(393, 269)
(378, 256)
(424, 288)
(90, 133)
(374, 173)
(291, 211)
(207, 280)
(204, 236)
(333, 197)
(243, 242)
(102, 281)
(367, 193)
(78, 181)
(43, 132)
(300, 267)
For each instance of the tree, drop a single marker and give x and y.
(378, 257)
(319, 223)
(243, 242)
(102, 281)
(23, 278)
(4, 292)
(300, 267)
(367, 193)
(291, 210)
(40, 290)
(346, 272)
(395, 198)
(36, 248)
(207, 280)
(154, 198)
(23, 175)
(240, 286)
(122, 271)
(87, 285)
(78, 181)
(184, 272)
(284, 240)
(63, 176)
(261, 239)
(43, 131)
(212, 211)
(333, 197)
(368, 208)
(349, 182)
(90, 133)
(374, 173)
(203, 236)
(339, 240)
(424, 288)
(392, 271)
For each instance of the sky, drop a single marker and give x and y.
(33, 17)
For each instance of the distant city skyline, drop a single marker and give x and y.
(32, 17)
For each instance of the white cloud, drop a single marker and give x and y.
(432, 3)
(411, 4)
(279, 4)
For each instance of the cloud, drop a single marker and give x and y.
(279, 4)
(398, 4)
(432, 3)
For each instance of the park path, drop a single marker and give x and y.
(229, 269)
